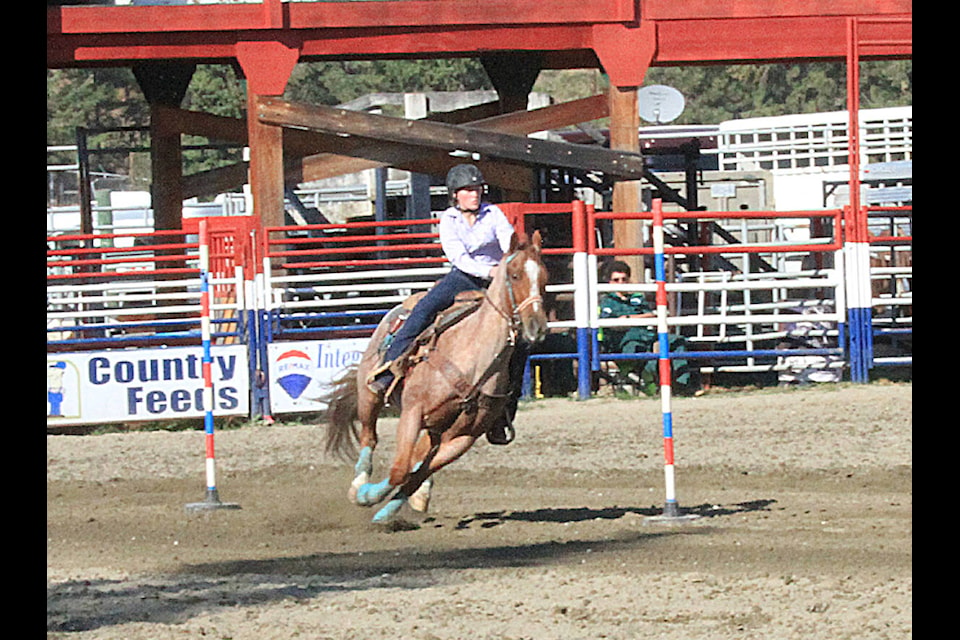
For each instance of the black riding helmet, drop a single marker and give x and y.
(463, 175)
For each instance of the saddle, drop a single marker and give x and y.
(463, 305)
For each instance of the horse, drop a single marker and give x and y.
(457, 384)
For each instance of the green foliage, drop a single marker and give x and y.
(331, 83)
(217, 90)
(100, 98)
(715, 94)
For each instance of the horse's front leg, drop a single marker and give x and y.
(444, 454)
(416, 490)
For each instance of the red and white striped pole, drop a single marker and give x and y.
(671, 509)
(212, 500)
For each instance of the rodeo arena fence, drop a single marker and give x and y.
(248, 320)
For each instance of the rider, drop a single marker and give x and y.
(474, 235)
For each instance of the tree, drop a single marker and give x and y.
(717, 93)
(332, 83)
(217, 90)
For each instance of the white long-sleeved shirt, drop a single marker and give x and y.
(475, 250)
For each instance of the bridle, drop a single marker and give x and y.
(513, 318)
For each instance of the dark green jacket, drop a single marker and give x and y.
(631, 339)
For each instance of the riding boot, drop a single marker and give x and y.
(502, 431)
(381, 382)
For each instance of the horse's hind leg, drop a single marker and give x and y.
(407, 429)
(368, 409)
(419, 500)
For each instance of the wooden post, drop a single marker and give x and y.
(267, 67)
(266, 165)
(166, 162)
(164, 84)
(625, 136)
(513, 76)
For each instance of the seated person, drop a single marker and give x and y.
(619, 304)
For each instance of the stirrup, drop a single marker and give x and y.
(380, 387)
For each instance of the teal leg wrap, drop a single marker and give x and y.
(370, 494)
(389, 510)
(364, 461)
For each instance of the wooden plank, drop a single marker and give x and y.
(266, 167)
(225, 129)
(708, 9)
(449, 138)
(553, 117)
(214, 181)
(329, 156)
(333, 15)
(522, 122)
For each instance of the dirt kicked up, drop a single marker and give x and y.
(804, 500)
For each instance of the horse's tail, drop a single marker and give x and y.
(341, 416)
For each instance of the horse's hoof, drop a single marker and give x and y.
(420, 500)
(358, 482)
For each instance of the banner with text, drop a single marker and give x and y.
(301, 372)
(144, 384)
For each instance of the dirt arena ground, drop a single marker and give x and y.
(804, 499)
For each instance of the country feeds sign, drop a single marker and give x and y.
(144, 384)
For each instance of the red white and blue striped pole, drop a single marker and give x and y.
(583, 268)
(671, 509)
(212, 500)
(856, 248)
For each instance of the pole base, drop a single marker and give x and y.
(211, 502)
(671, 515)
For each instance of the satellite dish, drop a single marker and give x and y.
(659, 103)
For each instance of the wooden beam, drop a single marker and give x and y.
(449, 138)
(266, 166)
(624, 134)
(225, 129)
(328, 156)
(546, 118)
(322, 166)
(214, 181)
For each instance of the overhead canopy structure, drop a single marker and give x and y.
(624, 36)
(514, 39)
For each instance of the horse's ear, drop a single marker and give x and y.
(515, 242)
(537, 242)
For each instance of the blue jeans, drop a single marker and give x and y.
(438, 298)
